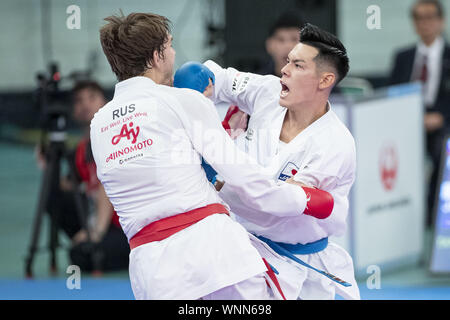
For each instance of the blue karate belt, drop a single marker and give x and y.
(211, 174)
(289, 251)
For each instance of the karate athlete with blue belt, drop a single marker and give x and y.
(147, 143)
(294, 130)
(198, 77)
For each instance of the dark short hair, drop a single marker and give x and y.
(331, 50)
(285, 21)
(129, 42)
(436, 3)
(87, 84)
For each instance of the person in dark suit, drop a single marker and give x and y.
(428, 61)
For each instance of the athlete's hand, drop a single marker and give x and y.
(238, 120)
(235, 122)
(218, 185)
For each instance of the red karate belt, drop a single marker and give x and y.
(164, 228)
(273, 277)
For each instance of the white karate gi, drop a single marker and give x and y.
(147, 143)
(323, 155)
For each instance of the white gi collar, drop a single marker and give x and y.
(322, 121)
(132, 84)
(319, 123)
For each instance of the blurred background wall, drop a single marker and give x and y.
(34, 33)
(371, 51)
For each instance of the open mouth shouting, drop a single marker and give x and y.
(284, 90)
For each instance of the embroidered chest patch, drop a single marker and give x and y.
(289, 170)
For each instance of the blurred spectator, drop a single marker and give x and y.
(108, 248)
(284, 34)
(428, 61)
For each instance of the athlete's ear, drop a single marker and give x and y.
(156, 61)
(327, 80)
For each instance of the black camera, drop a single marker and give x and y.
(51, 104)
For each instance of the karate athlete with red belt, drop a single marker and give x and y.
(294, 130)
(147, 143)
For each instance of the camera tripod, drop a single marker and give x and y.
(50, 182)
(54, 114)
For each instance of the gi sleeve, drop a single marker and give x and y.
(252, 182)
(334, 173)
(246, 90)
(336, 223)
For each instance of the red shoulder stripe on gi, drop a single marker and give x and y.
(164, 228)
(319, 203)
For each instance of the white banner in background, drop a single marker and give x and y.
(388, 203)
(342, 111)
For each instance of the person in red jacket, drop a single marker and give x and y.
(104, 246)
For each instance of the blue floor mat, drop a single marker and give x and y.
(406, 293)
(120, 289)
(56, 289)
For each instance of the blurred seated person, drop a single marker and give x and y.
(283, 36)
(108, 247)
(428, 61)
